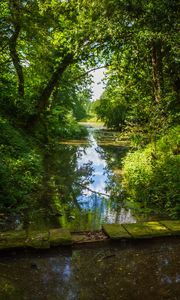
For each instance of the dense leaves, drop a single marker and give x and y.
(151, 175)
(46, 48)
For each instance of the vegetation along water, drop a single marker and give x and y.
(59, 170)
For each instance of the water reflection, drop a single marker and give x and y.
(99, 189)
(100, 176)
(125, 271)
(82, 190)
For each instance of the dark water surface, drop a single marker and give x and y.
(147, 270)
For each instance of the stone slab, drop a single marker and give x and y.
(12, 239)
(173, 226)
(115, 231)
(38, 239)
(147, 230)
(60, 236)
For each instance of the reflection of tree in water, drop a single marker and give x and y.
(144, 270)
(63, 183)
(80, 193)
(113, 156)
(66, 180)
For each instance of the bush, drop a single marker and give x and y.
(20, 168)
(151, 175)
(64, 125)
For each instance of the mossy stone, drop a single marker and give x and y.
(38, 239)
(147, 230)
(173, 226)
(60, 236)
(78, 238)
(115, 231)
(12, 239)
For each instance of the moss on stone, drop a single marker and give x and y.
(38, 239)
(173, 226)
(12, 239)
(78, 238)
(115, 231)
(147, 230)
(60, 236)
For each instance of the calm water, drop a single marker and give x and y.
(85, 183)
(128, 271)
(83, 190)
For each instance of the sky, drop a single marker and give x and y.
(98, 86)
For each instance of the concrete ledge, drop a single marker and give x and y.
(62, 236)
(35, 239)
(142, 230)
(12, 239)
(147, 230)
(116, 231)
(173, 226)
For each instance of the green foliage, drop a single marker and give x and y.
(62, 124)
(47, 47)
(20, 169)
(143, 79)
(151, 175)
(112, 108)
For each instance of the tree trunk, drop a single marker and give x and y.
(43, 100)
(157, 71)
(16, 17)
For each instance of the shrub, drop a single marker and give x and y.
(151, 175)
(20, 168)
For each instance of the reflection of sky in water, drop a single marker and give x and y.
(95, 197)
(99, 175)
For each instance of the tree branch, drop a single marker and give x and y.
(53, 81)
(43, 101)
(13, 43)
(89, 71)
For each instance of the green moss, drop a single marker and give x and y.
(115, 231)
(173, 226)
(60, 236)
(12, 239)
(38, 239)
(78, 238)
(147, 229)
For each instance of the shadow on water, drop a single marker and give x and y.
(129, 270)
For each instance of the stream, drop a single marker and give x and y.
(83, 191)
(83, 187)
(84, 184)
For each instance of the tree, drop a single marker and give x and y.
(144, 63)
